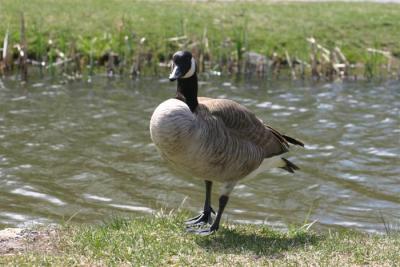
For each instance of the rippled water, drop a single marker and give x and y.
(82, 152)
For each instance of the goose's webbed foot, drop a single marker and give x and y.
(203, 231)
(201, 219)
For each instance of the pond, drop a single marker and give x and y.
(82, 152)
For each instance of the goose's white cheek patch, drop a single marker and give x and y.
(173, 72)
(192, 69)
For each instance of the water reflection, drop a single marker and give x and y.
(83, 151)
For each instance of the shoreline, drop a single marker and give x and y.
(15, 241)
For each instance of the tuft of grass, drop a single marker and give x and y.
(161, 240)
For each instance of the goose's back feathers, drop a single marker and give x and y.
(243, 124)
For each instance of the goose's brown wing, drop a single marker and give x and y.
(242, 123)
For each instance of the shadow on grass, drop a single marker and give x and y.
(262, 242)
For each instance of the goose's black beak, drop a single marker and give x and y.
(175, 74)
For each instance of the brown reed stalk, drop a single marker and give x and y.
(23, 57)
(290, 64)
(76, 69)
(204, 50)
(137, 61)
(4, 59)
(343, 60)
(314, 59)
(111, 64)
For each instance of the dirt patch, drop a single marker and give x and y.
(16, 240)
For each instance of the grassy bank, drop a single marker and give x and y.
(135, 37)
(162, 241)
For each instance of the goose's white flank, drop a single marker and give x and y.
(216, 140)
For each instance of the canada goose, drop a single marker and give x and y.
(217, 140)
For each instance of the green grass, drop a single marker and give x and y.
(161, 241)
(100, 26)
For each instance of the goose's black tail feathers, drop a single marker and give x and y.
(292, 140)
(290, 166)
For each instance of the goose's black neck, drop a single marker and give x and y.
(187, 91)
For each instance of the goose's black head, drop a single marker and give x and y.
(184, 70)
(184, 66)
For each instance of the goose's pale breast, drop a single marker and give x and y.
(171, 123)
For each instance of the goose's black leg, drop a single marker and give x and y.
(223, 200)
(205, 216)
